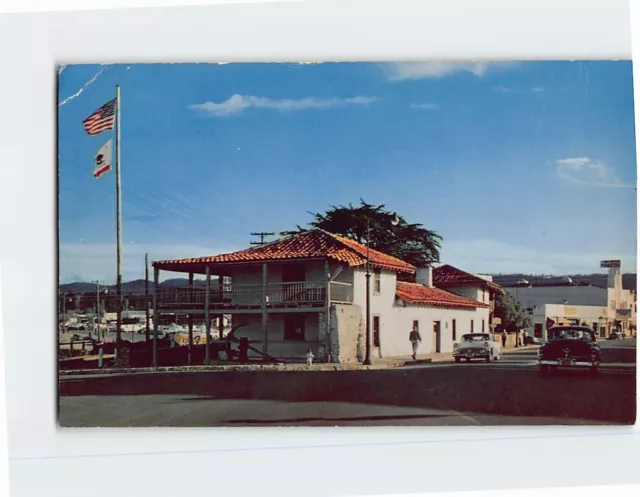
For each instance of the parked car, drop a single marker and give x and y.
(530, 340)
(569, 347)
(477, 346)
(616, 335)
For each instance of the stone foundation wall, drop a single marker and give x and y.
(347, 333)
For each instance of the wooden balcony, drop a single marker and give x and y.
(249, 297)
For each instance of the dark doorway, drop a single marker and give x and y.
(436, 335)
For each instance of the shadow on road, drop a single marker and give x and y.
(604, 398)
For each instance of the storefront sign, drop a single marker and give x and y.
(623, 313)
(613, 263)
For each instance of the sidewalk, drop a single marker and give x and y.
(441, 356)
(377, 363)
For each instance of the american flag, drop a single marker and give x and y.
(101, 120)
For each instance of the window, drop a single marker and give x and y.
(453, 330)
(376, 281)
(294, 327)
(483, 326)
(376, 331)
(471, 326)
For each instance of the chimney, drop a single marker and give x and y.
(424, 276)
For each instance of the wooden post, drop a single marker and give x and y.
(156, 275)
(207, 317)
(146, 297)
(327, 311)
(191, 302)
(265, 332)
(221, 327)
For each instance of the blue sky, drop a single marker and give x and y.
(526, 167)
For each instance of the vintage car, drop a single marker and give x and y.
(477, 346)
(616, 335)
(569, 347)
(531, 340)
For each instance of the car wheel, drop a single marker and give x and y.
(489, 357)
(457, 359)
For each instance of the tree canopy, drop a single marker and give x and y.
(388, 231)
(514, 317)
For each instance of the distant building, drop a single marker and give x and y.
(478, 287)
(567, 301)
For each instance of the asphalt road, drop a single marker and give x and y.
(507, 392)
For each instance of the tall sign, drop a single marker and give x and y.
(610, 264)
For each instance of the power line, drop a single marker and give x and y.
(262, 235)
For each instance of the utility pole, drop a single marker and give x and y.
(64, 312)
(146, 296)
(367, 356)
(98, 308)
(262, 235)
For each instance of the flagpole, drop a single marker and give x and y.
(118, 226)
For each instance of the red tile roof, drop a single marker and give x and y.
(448, 276)
(311, 244)
(414, 293)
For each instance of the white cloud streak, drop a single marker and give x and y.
(89, 262)
(589, 172)
(506, 89)
(425, 106)
(491, 256)
(399, 71)
(236, 104)
(84, 87)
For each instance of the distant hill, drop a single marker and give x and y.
(135, 287)
(597, 279)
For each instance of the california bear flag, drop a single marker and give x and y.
(102, 161)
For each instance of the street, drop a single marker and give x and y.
(507, 392)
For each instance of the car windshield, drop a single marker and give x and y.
(571, 334)
(475, 337)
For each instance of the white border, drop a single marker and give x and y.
(44, 460)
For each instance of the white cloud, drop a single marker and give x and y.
(88, 262)
(506, 89)
(398, 71)
(237, 103)
(589, 172)
(425, 106)
(490, 256)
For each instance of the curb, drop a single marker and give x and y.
(227, 368)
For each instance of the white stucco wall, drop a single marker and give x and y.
(380, 302)
(474, 293)
(396, 325)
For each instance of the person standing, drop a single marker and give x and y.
(415, 339)
(504, 339)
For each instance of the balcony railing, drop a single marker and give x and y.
(301, 294)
